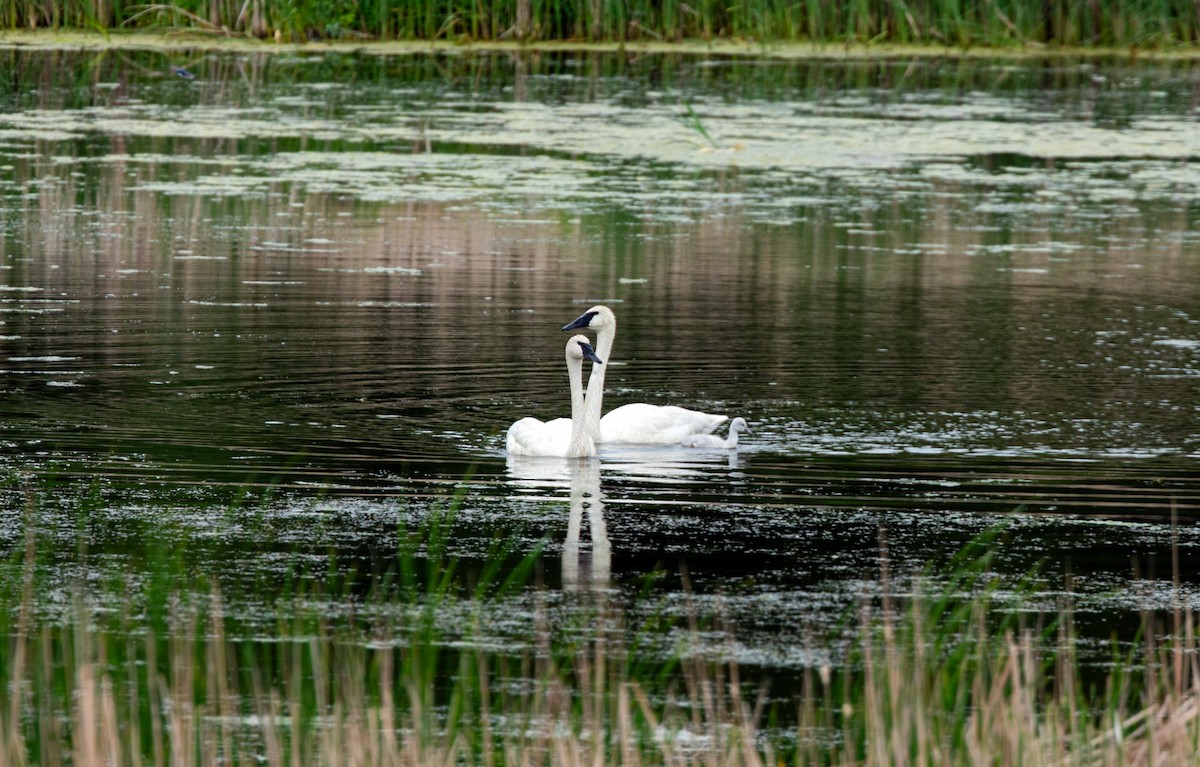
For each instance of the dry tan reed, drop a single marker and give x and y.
(932, 682)
(335, 706)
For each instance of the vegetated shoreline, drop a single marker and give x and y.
(929, 680)
(182, 39)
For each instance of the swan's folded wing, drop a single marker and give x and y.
(529, 436)
(644, 424)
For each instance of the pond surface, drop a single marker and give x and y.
(262, 319)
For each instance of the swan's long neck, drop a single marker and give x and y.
(595, 387)
(581, 444)
(731, 441)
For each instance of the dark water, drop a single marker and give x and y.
(260, 320)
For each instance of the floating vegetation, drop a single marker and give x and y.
(635, 152)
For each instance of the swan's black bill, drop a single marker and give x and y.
(590, 353)
(582, 321)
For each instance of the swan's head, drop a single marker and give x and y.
(739, 424)
(579, 348)
(597, 318)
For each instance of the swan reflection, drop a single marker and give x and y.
(653, 463)
(667, 464)
(589, 564)
(581, 480)
(586, 497)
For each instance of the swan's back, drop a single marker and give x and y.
(645, 424)
(530, 436)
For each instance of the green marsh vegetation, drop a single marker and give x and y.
(1153, 24)
(937, 678)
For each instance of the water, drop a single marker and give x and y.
(260, 321)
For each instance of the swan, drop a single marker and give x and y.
(712, 440)
(636, 423)
(561, 437)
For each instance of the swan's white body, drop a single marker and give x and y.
(560, 437)
(712, 440)
(642, 424)
(637, 423)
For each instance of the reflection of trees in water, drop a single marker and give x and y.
(946, 285)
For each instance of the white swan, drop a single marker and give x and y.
(712, 440)
(561, 437)
(637, 423)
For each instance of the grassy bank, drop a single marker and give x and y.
(1004, 23)
(936, 680)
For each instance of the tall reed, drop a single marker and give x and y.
(943, 22)
(935, 680)
(88, 698)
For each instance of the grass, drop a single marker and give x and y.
(934, 680)
(322, 697)
(1125, 23)
(692, 121)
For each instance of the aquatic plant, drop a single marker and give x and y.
(692, 121)
(940, 22)
(936, 680)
